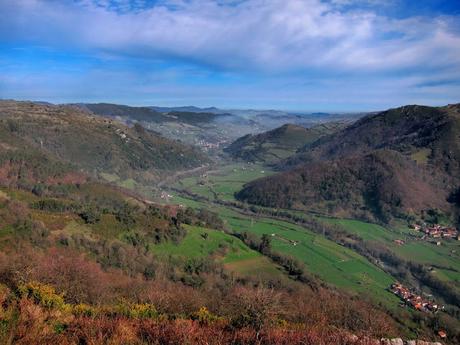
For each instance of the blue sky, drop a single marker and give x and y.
(312, 55)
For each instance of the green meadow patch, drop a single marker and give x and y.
(236, 256)
(223, 183)
(329, 261)
(444, 258)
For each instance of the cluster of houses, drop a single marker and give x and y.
(437, 231)
(414, 300)
(206, 145)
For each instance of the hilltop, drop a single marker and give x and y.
(428, 135)
(400, 162)
(279, 143)
(375, 186)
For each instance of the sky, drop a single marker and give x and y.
(298, 55)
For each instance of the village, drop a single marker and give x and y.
(436, 231)
(414, 300)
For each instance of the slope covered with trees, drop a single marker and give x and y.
(427, 134)
(398, 163)
(92, 144)
(376, 186)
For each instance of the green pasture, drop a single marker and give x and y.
(445, 258)
(224, 182)
(329, 261)
(202, 242)
(227, 249)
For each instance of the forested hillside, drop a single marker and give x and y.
(376, 186)
(398, 163)
(91, 144)
(428, 135)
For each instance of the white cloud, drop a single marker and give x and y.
(276, 35)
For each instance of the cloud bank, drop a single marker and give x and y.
(319, 40)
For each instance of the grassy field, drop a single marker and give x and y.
(225, 182)
(227, 249)
(366, 231)
(113, 178)
(329, 261)
(444, 258)
(202, 242)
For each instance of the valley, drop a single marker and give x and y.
(331, 261)
(325, 255)
(287, 212)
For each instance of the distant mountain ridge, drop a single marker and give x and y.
(209, 126)
(280, 116)
(192, 115)
(189, 108)
(114, 110)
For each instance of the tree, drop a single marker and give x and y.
(91, 215)
(265, 244)
(125, 215)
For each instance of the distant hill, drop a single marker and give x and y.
(399, 162)
(193, 118)
(207, 128)
(114, 110)
(73, 137)
(279, 143)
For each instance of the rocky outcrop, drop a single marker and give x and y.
(399, 341)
